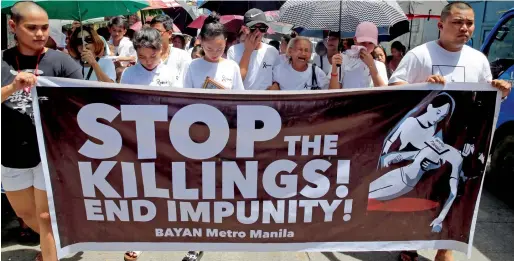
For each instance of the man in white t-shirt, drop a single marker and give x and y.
(358, 68)
(325, 61)
(171, 56)
(448, 59)
(255, 58)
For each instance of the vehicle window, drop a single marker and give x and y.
(501, 51)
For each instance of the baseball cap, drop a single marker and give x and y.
(255, 16)
(367, 32)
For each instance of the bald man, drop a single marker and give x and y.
(22, 175)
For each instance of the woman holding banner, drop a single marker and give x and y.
(225, 74)
(22, 171)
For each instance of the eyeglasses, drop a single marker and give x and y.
(87, 40)
(263, 29)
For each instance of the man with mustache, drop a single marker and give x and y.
(448, 59)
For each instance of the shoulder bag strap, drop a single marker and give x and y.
(91, 70)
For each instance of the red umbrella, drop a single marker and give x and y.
(232, 23)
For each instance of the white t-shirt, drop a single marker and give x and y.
(107, 67)
(327, 67)
(260, 68)
(226, 72)
(290, 79)
(107, 49)
(467, 65)
(282, 59)
(359, 76)
(124, 49)
(178, 58)
(162, 75)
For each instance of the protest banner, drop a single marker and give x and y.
(362, 170)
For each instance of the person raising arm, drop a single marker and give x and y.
(359, 69)
(88, 48)
(256, 59)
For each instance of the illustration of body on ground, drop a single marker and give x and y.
(421, 138)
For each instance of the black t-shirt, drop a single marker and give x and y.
(19, 140)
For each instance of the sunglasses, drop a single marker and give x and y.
(263, 29)
(87, 40)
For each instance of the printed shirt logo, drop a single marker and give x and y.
(311, 87)
(265, 65)
(21, 101)
(225, 79)
(163, 82)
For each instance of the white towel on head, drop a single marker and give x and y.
(56, 33)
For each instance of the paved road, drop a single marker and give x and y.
(493, 242)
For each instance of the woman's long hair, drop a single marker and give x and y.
(437, 100)
(99, 45)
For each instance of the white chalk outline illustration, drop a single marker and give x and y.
(421, 143)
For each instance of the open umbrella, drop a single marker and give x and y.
(83, 10)
(385, 34)
(340, 15)
(182, 15)
(240, 7)
(232, 22)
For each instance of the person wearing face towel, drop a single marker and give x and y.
(358, 68)
(298, 74)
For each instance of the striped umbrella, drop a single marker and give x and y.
(340, 15)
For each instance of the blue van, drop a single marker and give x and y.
(499, 49)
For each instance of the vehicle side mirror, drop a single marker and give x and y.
(502, 33)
